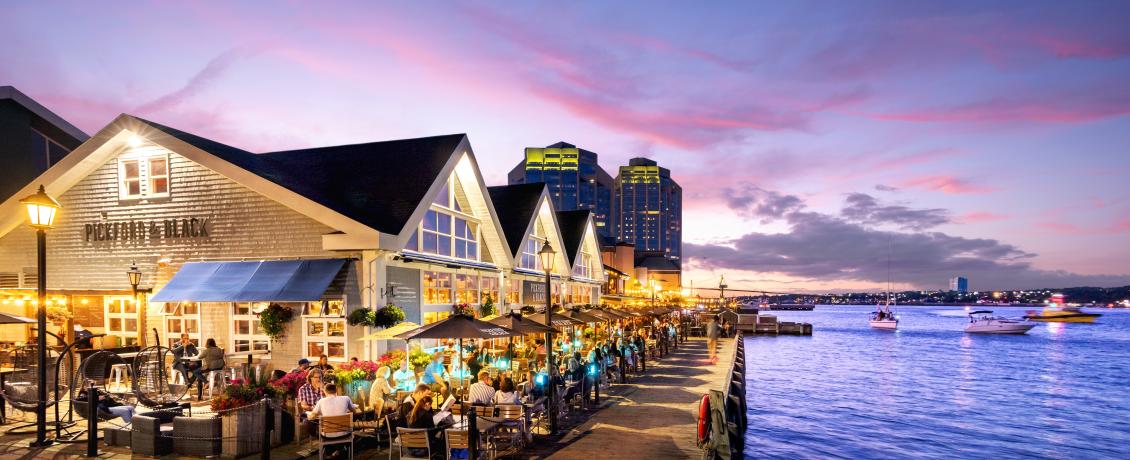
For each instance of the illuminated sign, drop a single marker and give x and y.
(148, 230)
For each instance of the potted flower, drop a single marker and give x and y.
(419, 359)
(463, 309)
(355, 378)
(241, 407)
(487, 308)
(388, 316)
(273, 320)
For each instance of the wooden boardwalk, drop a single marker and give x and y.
(656, 416)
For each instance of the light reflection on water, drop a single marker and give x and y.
(932, 391)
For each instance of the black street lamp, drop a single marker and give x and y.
(547, 257)
(722, 288)
(134, 276)
(41, 211)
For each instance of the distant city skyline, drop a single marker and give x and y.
(986, 139)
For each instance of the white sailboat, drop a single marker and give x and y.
(884, 317)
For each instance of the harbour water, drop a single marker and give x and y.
(931, 391)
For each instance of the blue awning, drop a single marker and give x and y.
(260, 281)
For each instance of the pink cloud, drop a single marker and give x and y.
(976, 217)
(1060, 108)
(945, 184)
(1118, 226)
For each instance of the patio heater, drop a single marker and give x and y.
(41, 211)
(547, 257)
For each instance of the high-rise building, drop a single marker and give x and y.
(959, 284)
(650, 207)
(574, 178)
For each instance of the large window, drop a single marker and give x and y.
(530, 257)
(584, 266)
(466, 289)
(45, 151)
(447, 230)
(143, 177)
(182, 317)
(488, 289)
(247, 334)
(120, 316)
(323, 330)
(434, 316)
(513, 291)
(437, 288)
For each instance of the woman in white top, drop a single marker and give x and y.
(507, 394)
(332, 405)
(380, 390)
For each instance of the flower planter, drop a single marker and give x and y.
(243, 431)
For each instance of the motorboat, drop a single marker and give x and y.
(988, 324)
(1057, 311)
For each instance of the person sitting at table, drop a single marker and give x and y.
(310, 393)
(507, 394)
(323, 364)
(303, 366)
(329, 406)
(434, 373)
(410, 401)
(185, 349)
(482, 393)
(422, 416)
(211, 360)
(379, 391)
(107, 404)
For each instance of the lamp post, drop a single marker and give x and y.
(547, 258)
(722, 288)
(134, 276)
(41, 210)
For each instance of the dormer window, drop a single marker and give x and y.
(143, 176)
(446, 229)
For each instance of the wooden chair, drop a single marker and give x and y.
(514, 421)
(413, 438)
(484, 411)
(327, 426)
(456, 439)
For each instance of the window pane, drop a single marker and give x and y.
(460, 249)
(443, 245)
(191, 326)
(57, 152)
(315, 328)
(115, 324)
(445, 224)
(131, 169)
(159, 185)
(315, 349)
(242, 327)
(174, 326)
(337, 329)
(430, 242)
(115, 306)
(157, 167)
(472, 250)
(431, 220)
(444, 197)
(242, 345)
(262, 345)
(460, 227)
(131, 325)
(336, 350)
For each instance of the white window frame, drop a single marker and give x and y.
(424, 287)
(126, 336)
(175, 314)
(529, 258)
(584, 267)
(251, 338)
(144, 176)
(314, 315)
(450, 211)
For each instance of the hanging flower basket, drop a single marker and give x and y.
(388, 316)
(273, 320)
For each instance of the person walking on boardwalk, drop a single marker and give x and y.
(712, 339)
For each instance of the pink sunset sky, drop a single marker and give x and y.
(984, 139)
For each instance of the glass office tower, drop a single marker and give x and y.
(650, 206)
(574, 178)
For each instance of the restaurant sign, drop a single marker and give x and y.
(148, 230)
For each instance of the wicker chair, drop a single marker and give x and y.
(147, 438)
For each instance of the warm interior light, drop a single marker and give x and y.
(136, 141)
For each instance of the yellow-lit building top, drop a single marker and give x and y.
(552, 158)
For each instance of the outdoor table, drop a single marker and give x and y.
(3, 403)
(249, 354)
(132, 354)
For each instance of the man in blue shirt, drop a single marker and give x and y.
(434, 373)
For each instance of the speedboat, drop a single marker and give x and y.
(1057, 311)
(988, 324)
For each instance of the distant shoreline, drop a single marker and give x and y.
(979, 305)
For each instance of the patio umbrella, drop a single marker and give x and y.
(602, 314)
(392, 332)
(13, 319)
(615, 314)
(458, 327)
(520, 325)
(583, 316)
